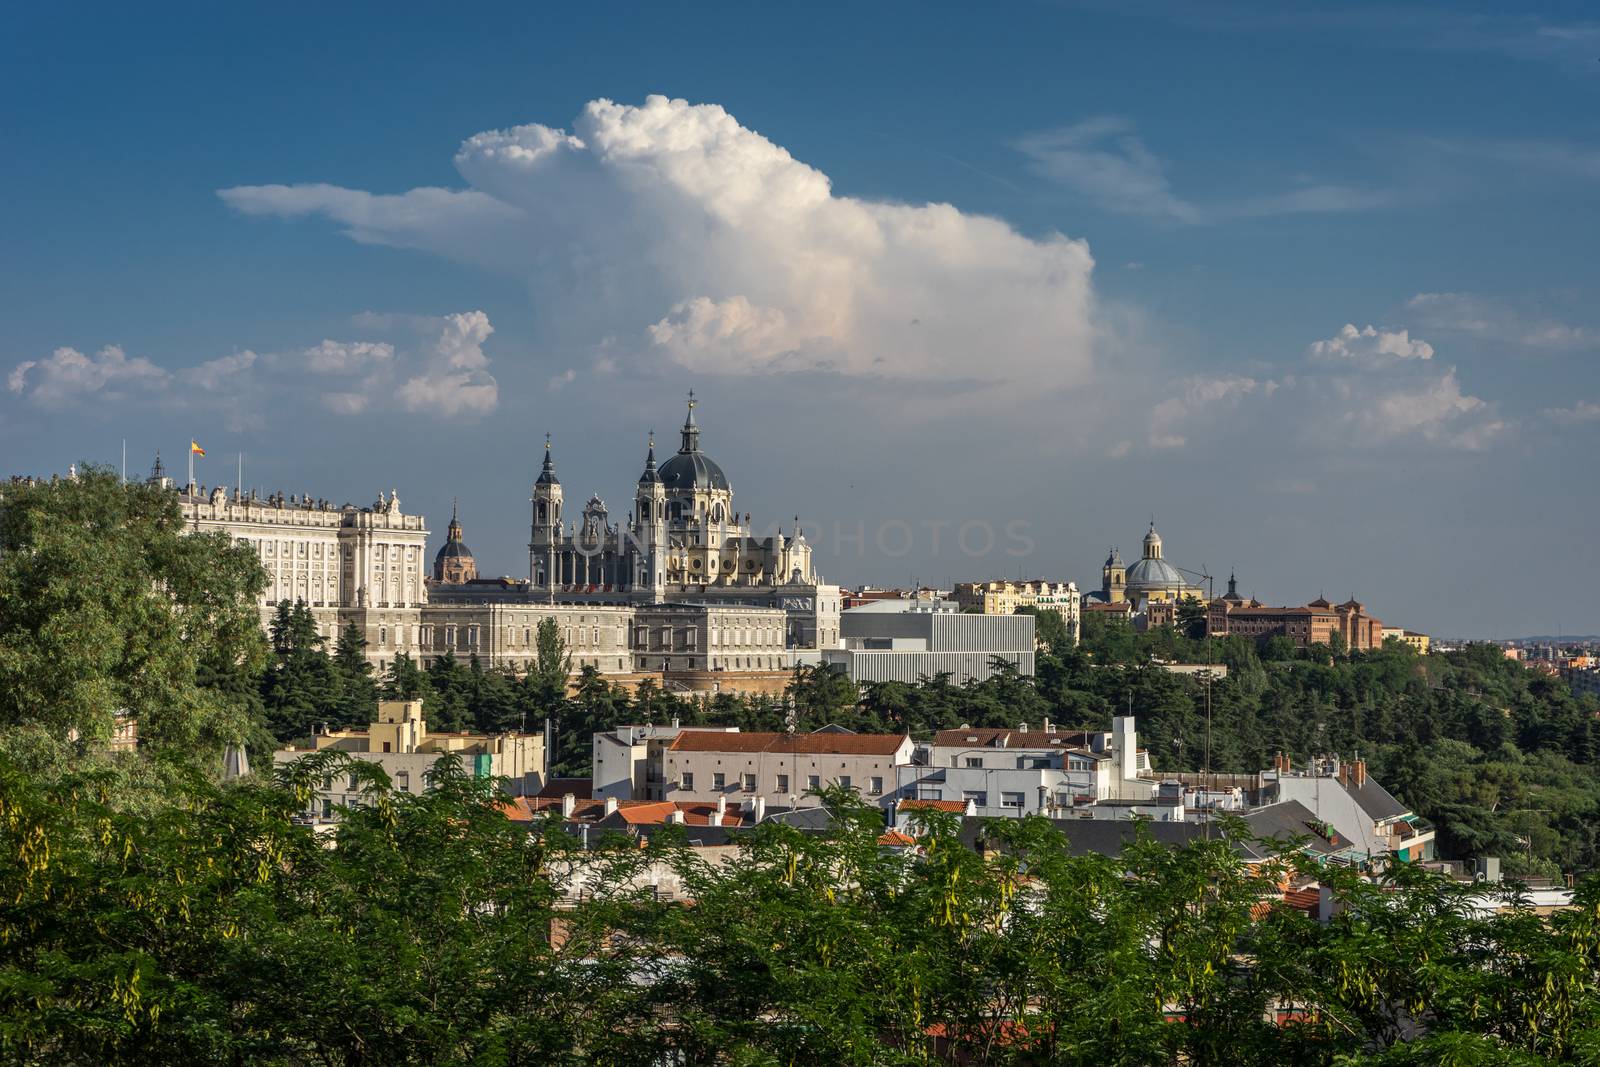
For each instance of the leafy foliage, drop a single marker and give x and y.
(431, 929)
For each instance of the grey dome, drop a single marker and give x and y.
(692, 470)
(1154, 574)
(453, 550)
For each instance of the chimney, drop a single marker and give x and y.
(722, 807)
(569, 803)
(1048, 728)
(1358, 772)
(611, 805)
(760, 809)
(675, 817)
(1022, 727)
(1125, 741)
(716, 816)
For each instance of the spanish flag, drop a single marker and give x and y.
(194, 447)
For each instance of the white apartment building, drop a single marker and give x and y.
(629, 762)
(1022, 771)
(780, 769)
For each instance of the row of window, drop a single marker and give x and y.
(747, 782)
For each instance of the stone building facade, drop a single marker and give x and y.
(349, 564)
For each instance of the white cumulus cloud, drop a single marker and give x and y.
(1370, 346)
(344, 357)
(67, 375)
(722, 253)
(456, 380)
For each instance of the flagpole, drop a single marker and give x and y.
(124, 461)
(190, 487)
(238, 486)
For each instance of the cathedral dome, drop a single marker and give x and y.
(1154, 574)
(453, 563)
(692, 468)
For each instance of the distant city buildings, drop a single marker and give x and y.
(1005, 598)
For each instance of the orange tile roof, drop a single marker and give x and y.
(800, 744)
(895, 837)
(957, 806)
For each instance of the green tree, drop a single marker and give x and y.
(358, 690)
(108, 607)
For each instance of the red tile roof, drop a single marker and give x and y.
(800, 744)
(957, 806)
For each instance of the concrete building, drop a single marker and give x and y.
(399, 741)
(904, 641)
(781, 770)
(1004, 598)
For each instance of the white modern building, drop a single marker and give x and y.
(909, 640)
(782, 770)
(1023, 771)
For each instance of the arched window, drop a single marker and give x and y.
(542, 519)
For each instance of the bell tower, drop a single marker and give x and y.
(546, 532)
(1114, 579)
(650, 526)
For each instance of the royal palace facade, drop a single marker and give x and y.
(684, 585)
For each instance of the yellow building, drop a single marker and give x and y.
(399, 741)
(1004, 598)
(1417, 642)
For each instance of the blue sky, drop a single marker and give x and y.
(1149, 227)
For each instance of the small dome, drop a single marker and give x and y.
(452, 550)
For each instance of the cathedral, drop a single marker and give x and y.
(682, 559)
(1152, 580)
(682, 538)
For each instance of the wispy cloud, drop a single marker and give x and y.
(1106, 161)
(1583, 411)
(1497, 320)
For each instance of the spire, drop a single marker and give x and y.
(650, 475)
(454, 533)
(547, 476)
(691, 432)
(1233, 586)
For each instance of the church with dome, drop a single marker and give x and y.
(682, 582)
(1152, 580)
(683, 536)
